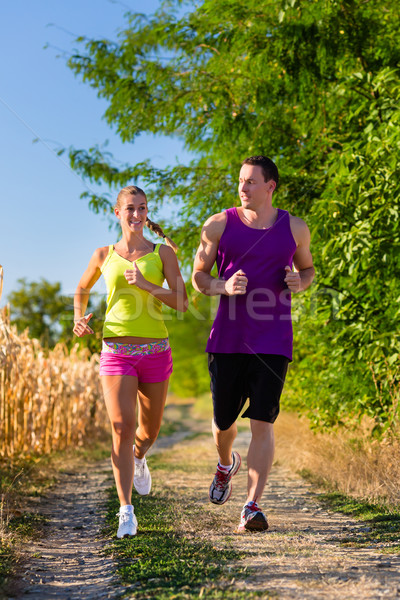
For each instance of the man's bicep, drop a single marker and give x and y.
(208, 248)
(205, 257)
(302, 258)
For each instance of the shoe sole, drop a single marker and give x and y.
(142, 493)
(257, 523)
(235, 469)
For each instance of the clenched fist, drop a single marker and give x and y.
(237, 284)
(292, 280)
(135, 277)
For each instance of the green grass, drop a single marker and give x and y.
(161, 561)
(169, 427)
(7, 561)
(27, 525)
(382, 525)
(27, 477)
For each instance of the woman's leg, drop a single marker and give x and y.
(152, 398)
(120, 397)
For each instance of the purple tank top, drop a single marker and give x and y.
(258, 322)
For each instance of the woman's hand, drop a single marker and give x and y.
(81, 326)
(135, 277)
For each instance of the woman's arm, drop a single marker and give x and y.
(174, 297)
(81, 297)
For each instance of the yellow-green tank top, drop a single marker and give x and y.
(130, 310)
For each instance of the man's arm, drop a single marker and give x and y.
(205, 258)
(302, 259)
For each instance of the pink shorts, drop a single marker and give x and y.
(148, 368)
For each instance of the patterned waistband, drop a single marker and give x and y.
(135, 349)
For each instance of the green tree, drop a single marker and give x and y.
(37, 306)
(188, 334)
(47, 313)
(315, 86)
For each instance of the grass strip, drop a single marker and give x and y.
(161, 562)
(382, 528)
(172, 557)
(7, 562)
(382, 525)
(22, 478)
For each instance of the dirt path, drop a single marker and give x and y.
(299, 558)
(68, 562)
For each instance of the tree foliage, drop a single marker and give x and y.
(42, 308)
(37, 306)
(315, 86)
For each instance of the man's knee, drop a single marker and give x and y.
(261, 428)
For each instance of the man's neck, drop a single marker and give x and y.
(259, 218)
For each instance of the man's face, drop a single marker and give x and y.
(253, 190)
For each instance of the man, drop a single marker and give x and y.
(250, 344)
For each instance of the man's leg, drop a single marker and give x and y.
(228, 393)
(259, 458)
(224, 442)
(228, 464)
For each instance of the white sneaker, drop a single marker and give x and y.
(142, 478)
(127, 524)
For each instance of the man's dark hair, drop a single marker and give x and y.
(269, 168)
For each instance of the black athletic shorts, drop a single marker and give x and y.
(236, 377)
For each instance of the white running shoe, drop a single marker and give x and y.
(142, 478)
(127, 524)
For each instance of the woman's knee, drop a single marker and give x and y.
(123, 432)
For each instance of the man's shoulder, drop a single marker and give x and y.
(297, 222)
(299, 229)
(217, 218)
(214, 227)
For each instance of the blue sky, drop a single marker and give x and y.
(46, 230)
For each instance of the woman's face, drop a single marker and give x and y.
(132, 212)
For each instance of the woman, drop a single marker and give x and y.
(136, 358)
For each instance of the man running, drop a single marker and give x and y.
(255, 247)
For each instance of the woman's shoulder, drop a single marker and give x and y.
(100, 255)
(165, 252)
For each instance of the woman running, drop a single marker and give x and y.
(135, 361)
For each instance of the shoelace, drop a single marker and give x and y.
(222, 479)
(124, 517)
(139, 469)
(253, 506)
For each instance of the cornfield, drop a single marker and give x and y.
(48, 400)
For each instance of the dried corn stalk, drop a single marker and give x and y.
(48, 401)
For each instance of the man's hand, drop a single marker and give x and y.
(237, 284)
(81, 326)
(292, 280)
(135, 277)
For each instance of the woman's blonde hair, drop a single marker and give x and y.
(134, 190)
